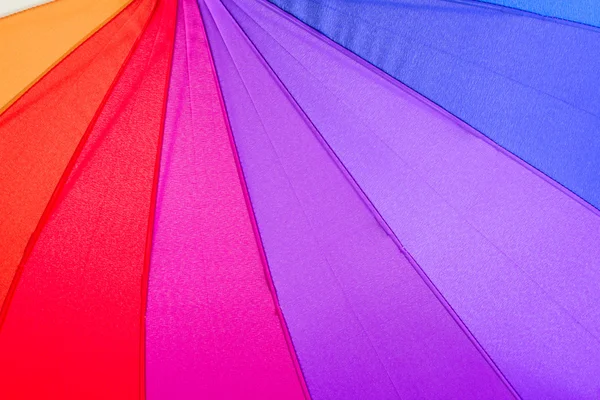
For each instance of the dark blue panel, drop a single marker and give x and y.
(530, 83)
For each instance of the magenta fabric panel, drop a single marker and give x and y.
(212, 324)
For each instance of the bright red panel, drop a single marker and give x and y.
(40, 132)
(73, 328)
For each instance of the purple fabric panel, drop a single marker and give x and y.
(364, 322)
(514, 254)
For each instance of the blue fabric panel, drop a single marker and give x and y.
(530, 83)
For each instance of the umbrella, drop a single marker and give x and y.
(212, 199)
(322, 240)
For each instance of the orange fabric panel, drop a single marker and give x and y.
(34, 40)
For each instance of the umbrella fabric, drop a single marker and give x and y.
(583, 11)
(350, 236)
(530, 84)
(364, 321)
(36, 40)
(40, 131)
(213, 328)
(501, 241)
(15, 6)
(72, 329)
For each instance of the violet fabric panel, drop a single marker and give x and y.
(515, 255)
(364, 322)
(212, 325)
(530, 83)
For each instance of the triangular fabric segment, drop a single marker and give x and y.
(213, 329)
(73, 329)
(364, 322)
(514, 254)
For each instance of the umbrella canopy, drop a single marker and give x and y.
(584, 11)
(213, 199)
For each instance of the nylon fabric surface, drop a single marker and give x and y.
(36, 40)
(213, 329)
(363, 321)
(514, 254)
(583, 11)
(73, 326)
(40, 131)
(529, 83)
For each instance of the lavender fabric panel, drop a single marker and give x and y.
(515, 254)
(530, 83)
(364, 322)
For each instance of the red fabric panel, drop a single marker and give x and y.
(40, 131)
(73, 328)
